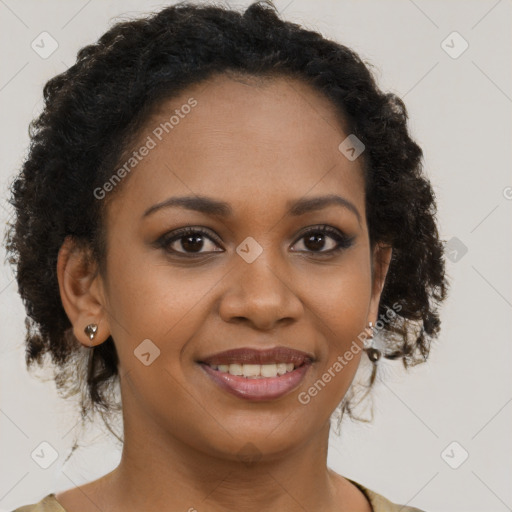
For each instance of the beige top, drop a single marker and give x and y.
(379, 504)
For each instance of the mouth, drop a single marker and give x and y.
(258, 375)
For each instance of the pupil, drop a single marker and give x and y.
(317, 240)
(192, 243)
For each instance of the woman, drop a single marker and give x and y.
(223, 210)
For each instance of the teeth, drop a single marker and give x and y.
(234, 369)
(255, 371)
(281, 368)
(268, 370)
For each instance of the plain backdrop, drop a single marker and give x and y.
(440, 439)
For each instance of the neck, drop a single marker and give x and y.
(157, 472)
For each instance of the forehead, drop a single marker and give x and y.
(243, 140)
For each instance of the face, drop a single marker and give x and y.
(267, 268)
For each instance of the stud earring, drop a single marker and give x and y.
(373, 353)
(91, 331)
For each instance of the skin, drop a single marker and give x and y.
(255, 145)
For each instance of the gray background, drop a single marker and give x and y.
(460, 114)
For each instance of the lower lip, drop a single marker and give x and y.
(267, 388)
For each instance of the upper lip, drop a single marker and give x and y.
(278, 354)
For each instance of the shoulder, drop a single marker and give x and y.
(380, 503)
(48, 504)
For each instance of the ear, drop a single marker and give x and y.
(381, 260)
(81, 292)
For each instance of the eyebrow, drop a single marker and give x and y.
(213, 207)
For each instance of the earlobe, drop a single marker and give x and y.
(79, 292)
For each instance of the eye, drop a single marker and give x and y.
(188, 241)
(315, 239)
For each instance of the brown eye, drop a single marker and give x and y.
(316, 239)
(188, 241)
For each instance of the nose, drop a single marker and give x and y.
(261, 296)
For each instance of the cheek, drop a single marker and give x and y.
(341, 309)
(341, 302)
(152, 301)
(342, 294)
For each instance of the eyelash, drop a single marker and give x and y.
(343, 241)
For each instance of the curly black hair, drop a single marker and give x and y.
(95, 110)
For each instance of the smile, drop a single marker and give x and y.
(257, 375)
